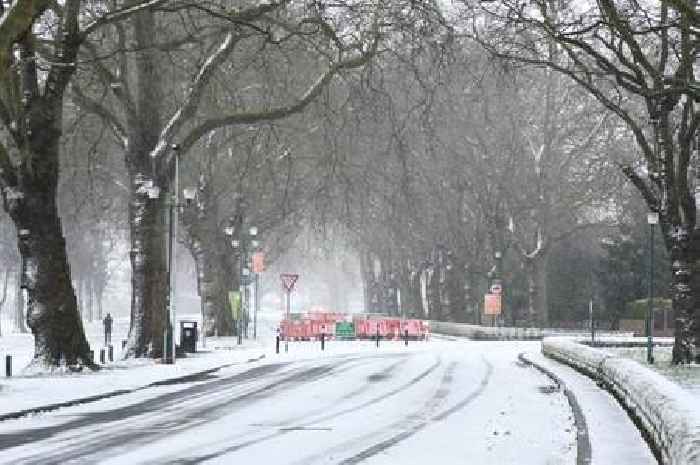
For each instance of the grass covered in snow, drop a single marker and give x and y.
(688, 376)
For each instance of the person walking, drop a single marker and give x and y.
(108, 329)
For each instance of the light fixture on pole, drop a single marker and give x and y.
(652, 219)
(153, 192)
(189, 193)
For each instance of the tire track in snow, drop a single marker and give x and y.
(327, 416)
(407, 433)
(91, 442)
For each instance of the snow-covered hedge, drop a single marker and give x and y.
(669, 415)
(484, 332)
(503, 332)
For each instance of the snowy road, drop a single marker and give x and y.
(439, 402)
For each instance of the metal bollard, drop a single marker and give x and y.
(277, 345)
(102, 356)
(406, 336)
(110, 352)
(123, 343)
(377, 337)
(323, 341)
(8, 365)
(92, 356)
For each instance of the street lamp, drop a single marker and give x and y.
(189, 193)
(240, 245)
(257, 269)
(173, 202)
(652, 219)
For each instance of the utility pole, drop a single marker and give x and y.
(652, 219)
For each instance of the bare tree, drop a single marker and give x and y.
(638, 61)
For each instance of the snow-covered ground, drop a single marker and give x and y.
(21, 392)
(442, 401)
(610, 429)
(687, 376)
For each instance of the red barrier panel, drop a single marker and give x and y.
(310, 327)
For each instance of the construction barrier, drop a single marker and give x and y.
(310, 326)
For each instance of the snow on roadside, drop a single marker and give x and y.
(21, 392)
(613, 436)
(666, 411)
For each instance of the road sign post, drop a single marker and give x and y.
(288, 281)
(492, 305)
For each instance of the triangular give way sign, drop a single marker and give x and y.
(288, 280)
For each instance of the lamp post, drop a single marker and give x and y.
(240, 244)
(153, 192)
(173, 203)
(255, 244)
(497, 282)
(652, 219)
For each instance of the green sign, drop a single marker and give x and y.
(344, 329)
(234, 298)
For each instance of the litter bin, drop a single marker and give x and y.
(188, 336)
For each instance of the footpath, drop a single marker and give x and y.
(25, 395)
(610, 430)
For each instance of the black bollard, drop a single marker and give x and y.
(92, 356)
(8, 365)
(277, 345)
(110, 352)
(323, 341)
(102, 356)
(406, 336)
(377, 337)
(123, 343)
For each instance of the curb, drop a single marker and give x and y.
(86, 400)
(597, 372)
(583, 441)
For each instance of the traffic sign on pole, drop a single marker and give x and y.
(258, 262)
(288, 280)
(492, 304)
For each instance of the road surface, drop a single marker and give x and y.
(439, 402)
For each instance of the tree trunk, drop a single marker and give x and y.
(90, 302)
(213, 272)
(4, 297)
(433, 295)
(149, 277)
(686, 326)
(148, 226)
(52, 310)
(99, 294)
(19, 302)
(538, 313)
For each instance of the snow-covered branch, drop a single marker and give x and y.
(283, 111)
(191, 103)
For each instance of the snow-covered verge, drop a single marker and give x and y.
(669, 415)
(508, 333)
(27, 391)
(686, 376)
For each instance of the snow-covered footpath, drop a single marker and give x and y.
(25, 392)
(669, 414)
